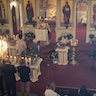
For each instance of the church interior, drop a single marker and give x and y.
(66, 32)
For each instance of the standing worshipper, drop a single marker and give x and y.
(29, 11)
(50, 91)
(66, 11)
(24, 72)
(10, 80)
(83, 91)
(21, 45)
(1, 79)
(36, 47)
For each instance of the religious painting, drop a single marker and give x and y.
(66, 13)
(15, 13)
(3, 11)
(29, 11)
(14, 20)
(48, 9)
(44, 3)
(93, 15)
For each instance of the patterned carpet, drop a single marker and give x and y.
(83, 73)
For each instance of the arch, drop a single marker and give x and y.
(81, 19)
(82, 1)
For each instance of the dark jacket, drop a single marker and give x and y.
(9, 72)
(24, 72)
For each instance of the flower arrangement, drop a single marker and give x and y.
(54, 54)
(66, 36)
(63, 40)
(32, 52)
(29, 35)
(91, 36)
(92, 39)
(23, 54)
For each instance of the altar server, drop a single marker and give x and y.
(37, 48)
(21, 45)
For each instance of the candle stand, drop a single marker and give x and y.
(74, 43)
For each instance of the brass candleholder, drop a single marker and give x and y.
(74, 43)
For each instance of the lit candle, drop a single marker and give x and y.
(38, 48)
(26, 60)
(15, 59)
(22, 57)
(11, 58)
(13, 36)
(29, 60)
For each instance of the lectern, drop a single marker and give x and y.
(42, 35)
(62, 55)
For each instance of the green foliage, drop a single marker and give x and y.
(54, 54)
(34, 23)
(29, 35)
(32, 51)
(66, 36)
(7, 32)
(91, 36)
(23, 53)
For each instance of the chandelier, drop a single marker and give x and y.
(3, 46)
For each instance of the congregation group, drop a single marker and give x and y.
(8, 71)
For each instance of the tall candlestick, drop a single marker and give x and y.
(15, 59)
(29, 60)
(10, 58)
(26, 60)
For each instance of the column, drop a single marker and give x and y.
(10, 18)
(74, 18)
(37, 10)
(88, 20)
(57, 17)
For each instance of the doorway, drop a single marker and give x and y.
(81, 21)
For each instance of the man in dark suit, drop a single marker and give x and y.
(1, 79)
(9, 75)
